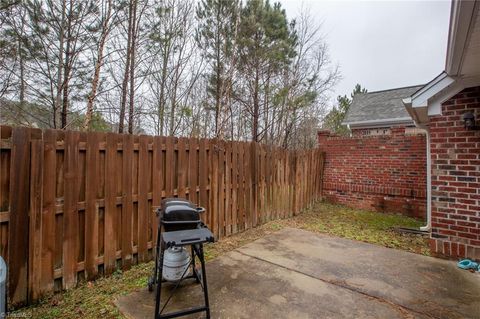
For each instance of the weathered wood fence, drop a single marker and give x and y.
(76, 205)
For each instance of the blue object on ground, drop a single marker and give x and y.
(468, 264)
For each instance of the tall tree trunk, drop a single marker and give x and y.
(123, 101)
(266, 108)
(256, 107)
(217, 100)
(98, 64)
(174, 102)
(58, 97)
(161, 106)
(67, 67)
(218, 83)
(22, 73)
(132, 68)
(174, 92)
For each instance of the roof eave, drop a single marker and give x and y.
(461, 16)
(378, 123)
(428, 101)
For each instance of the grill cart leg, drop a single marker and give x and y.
(152, 281)
(204, 277)
(159, 282)
(194, 268)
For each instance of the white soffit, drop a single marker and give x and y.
(431, 89)
(471, 62)
(463, 50)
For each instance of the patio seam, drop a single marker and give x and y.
(400, 308)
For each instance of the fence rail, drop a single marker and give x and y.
(77, 205)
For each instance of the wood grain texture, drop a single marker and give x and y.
(70, 212)
(35, 235)
(203, 178)
(193, 171)
(143, 180)
(18, 223)
(110, 210)
(127, 204)
(48, 212)
(157, 182)
(91, 210)
(182, 167)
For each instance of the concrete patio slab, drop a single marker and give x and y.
(299, 274)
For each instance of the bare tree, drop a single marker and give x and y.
(176, 65)
(123, 102)
(107, 20)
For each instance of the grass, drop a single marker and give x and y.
(95, 299)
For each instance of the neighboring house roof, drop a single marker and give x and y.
(380, 108)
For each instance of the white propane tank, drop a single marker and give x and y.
(175, 263)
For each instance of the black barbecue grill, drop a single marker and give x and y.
(180, 225)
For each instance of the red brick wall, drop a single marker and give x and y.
(456, 178)
(385, 173)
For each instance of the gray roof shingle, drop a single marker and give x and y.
(380, 105)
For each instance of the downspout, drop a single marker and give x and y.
(408, 105)
(428, 226)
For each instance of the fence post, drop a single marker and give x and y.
(296, 185)
(254, 185)
(70, 210)
(18, 223)
(91, 219)
(35, 231)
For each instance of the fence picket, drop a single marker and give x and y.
(110, 210)
(203, 178)
(91, 207)
(48, 215)
(221, 188)
(127, 204)
(143, 180)
(234, 182)
(214, 187)
(35, 232)
(169, 167)
(182, 167)
(70, 211)
(18, 223)
(228, 188)
(192, 170)
(157, 181)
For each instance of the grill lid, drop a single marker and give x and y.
(180, 213)
(180, 210)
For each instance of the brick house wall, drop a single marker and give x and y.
(385, 173)
(456, 178)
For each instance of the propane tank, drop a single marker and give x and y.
(176, 260)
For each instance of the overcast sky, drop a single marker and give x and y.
(382, 44)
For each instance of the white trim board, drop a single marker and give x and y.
(379, 123)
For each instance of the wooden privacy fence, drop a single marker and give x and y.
(76, 205)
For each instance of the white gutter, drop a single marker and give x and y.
(380, 123)
(408, 105)
(428, 226)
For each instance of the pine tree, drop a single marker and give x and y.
(333, 120)
(266, 45)
(216, 35)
